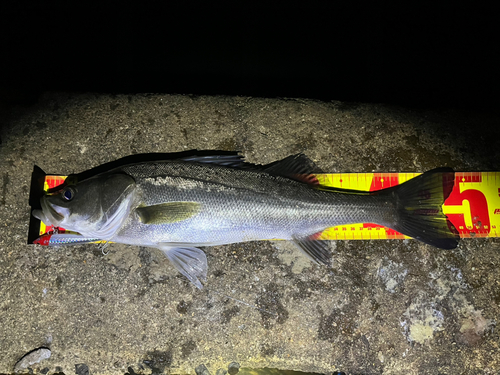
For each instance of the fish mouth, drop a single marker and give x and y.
(48, 214)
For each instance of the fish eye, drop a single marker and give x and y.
(68, 193)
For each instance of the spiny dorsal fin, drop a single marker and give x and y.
(231, 161)
(168, 213)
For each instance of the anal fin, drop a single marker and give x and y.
(315, 249)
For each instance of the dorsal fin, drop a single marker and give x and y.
(297, 167)
(232, 161)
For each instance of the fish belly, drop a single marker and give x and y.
(230, 220)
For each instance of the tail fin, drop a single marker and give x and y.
(419, 212)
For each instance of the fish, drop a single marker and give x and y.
(186, 203)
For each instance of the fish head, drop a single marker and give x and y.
(93, 207)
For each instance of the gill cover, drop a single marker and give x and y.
(93, 207)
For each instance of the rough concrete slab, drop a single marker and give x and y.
(385, 307)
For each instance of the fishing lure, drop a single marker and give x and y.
(55, 238)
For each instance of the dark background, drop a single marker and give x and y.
(440, 56)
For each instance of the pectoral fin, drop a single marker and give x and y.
(168, 213)
(190, 261)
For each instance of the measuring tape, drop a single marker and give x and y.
(473, 206)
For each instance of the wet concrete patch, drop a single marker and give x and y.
(229, 313)
(270, 307)
(187, 348)
(158, 361)
(336, 325)
(5, 184)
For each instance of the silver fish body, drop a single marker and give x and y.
(182, 204)
(241, 205)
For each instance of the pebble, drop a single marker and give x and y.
(82, 369)
(233, 368)
(201, 370)
(31, 358)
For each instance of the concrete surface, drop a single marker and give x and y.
(386, 307)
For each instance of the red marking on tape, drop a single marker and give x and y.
(391, 233)
(470, 177)
(478, 208)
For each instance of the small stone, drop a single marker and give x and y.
(381, 357)
(233, 368)
(82, 369)
(35, 356)
(201, 370)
